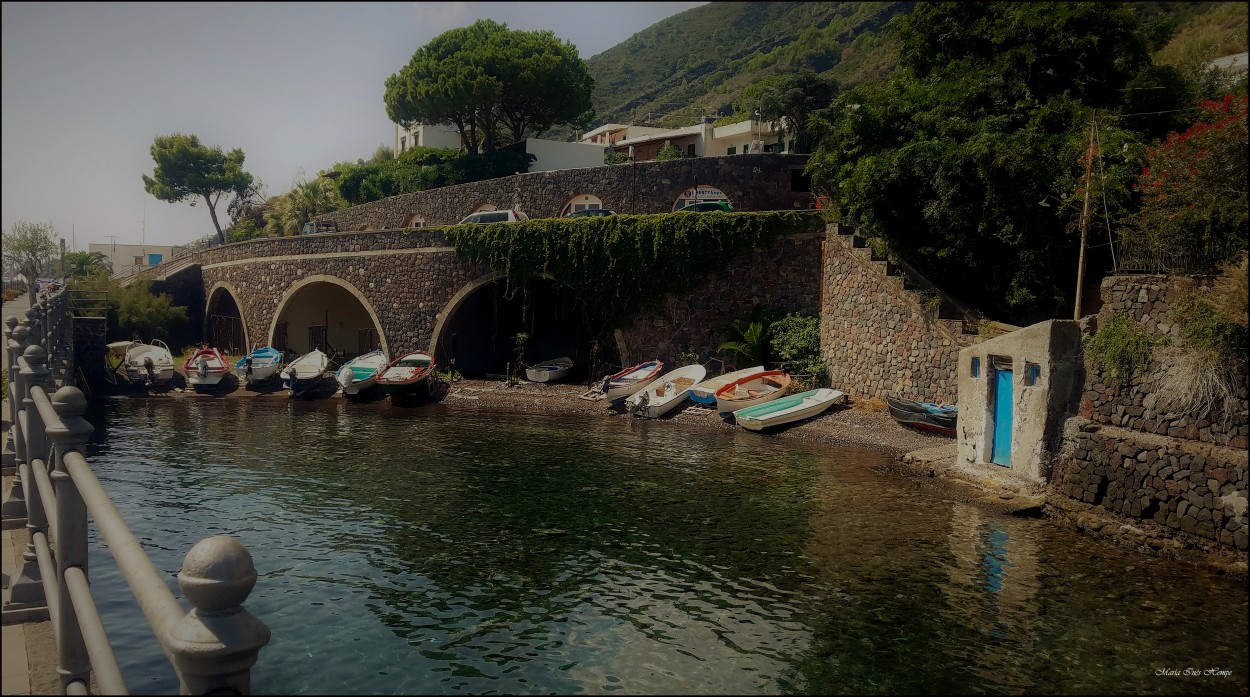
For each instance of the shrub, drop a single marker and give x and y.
(1120, 348)
(796, 342)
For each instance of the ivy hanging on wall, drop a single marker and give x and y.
(621, 265)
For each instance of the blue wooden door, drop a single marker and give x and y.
(1000, 453)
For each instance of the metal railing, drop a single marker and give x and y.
(213, 647)
(1140, 256)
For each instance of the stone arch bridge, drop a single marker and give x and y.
(404, 290)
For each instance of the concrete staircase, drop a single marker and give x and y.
(160, 272)
(948, 315)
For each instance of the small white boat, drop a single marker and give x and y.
(549, 371)
(149, 364)
(789, 409)
(751, 390)
(361, 372)
(666, 392)
(259, 365)
(705, 392)
(625, 383)
(205, 368)
(305, 372)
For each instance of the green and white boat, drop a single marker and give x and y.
(361, 372)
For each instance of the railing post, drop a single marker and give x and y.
(73, 664)
(13, 510)
(10, 369)
(214, 647)
(27, 591)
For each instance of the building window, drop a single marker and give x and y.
(976, 367)
(403, 144)
(733, 150)
(1032, 373)
(690, 150)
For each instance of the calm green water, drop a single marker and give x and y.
(420, 551)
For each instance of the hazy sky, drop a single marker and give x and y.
(296, 86)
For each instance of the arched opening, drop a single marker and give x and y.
(699, 194)
(484, 207)
(477, 332)
(223, 322)
(414, 220)
(326, 313)
(581, 202)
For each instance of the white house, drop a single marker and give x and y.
(439, 135)
(133, 257)
(699, 140)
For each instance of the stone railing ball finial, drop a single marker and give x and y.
(10, 322)
(69, 401)
(35, 355)
(20, 334)
(217, 574)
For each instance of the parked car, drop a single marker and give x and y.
(706, 206)
(510, 216)
(590, 213)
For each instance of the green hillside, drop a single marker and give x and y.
(697, 62)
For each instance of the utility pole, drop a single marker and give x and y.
(1080, 267)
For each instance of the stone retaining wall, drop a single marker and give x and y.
(757, 182)
(875, 337)
(1138, 406)
(1129, 455)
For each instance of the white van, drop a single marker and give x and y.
(511, 216)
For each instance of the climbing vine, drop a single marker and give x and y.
(621, 265)
(1121, 348)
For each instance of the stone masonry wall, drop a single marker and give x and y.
(875, 336)
(410, 276)
(1138, 406)
(758, 182)
(1129, 455)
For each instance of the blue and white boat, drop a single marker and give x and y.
(259, 365)
(305, 372)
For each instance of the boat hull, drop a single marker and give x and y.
(666, 392)
(705, 392)
(786, 410)
(549, 371)
(753, 390)
(360, 373)
(304, 373)
(205, 368)
(918, 415)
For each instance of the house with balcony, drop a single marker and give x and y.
(125, 258)
(699, 140)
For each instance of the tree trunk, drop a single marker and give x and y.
(212, 211)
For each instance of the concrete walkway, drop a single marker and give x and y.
(22, 638)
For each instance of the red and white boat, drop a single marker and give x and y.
(205, 368)
(627, 382)
(405, 374)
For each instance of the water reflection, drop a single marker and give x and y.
(419, 551)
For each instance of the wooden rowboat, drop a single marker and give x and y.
(405, 374)
(705, 392)
(751, 390)
(549, 371)
(926, 416)
(627, 382)
(205, 368)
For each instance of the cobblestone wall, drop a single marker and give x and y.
(409, 276)
(1139, 406)
(1128, 454)
(876, 337)
(761, 182)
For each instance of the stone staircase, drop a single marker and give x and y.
(948, 315)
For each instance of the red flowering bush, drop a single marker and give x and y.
(1193, 189)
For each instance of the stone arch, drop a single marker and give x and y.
(458, 299)
(361, 227)
(294, 289)
(412, 220)
(227, 290)
(700, 192)
(581, 202)
(484, 207)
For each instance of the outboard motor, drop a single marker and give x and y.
(247, 366)
(150, 367)
(201, 367)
